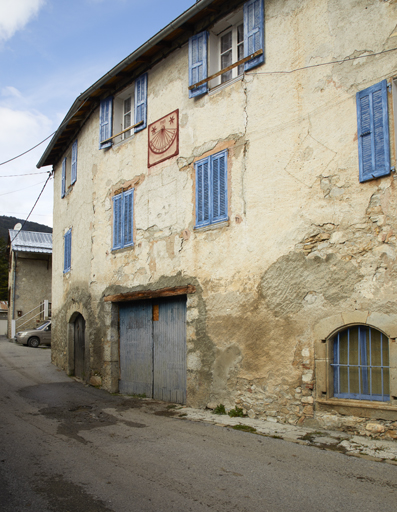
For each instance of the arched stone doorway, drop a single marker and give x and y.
(79, 347)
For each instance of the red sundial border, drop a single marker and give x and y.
(175, 113)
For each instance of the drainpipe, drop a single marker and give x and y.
(15, 283)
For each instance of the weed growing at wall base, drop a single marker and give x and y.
(219, 409)
(244, 428)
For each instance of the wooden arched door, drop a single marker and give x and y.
(79, 347)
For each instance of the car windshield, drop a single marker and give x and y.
(42, 326)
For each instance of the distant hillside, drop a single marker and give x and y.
(7, 223)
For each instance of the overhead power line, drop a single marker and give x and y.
(28, 174)
(20, 189)
(34, 147)
(37, 200)
(341, 61)
(27, 151)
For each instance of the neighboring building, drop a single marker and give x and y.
(234, 242)
(3, 317)
(29, 279)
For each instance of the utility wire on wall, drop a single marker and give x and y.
(347, 59)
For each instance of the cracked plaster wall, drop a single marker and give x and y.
(305, 239)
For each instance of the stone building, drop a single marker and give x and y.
(231, 238)
(29, 279)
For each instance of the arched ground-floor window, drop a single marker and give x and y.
(361, 364)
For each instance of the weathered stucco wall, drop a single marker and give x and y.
(32, 287)
(305, 241)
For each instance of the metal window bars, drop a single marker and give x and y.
(367, 344)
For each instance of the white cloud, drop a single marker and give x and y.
(21, 130)
(12, 92)
(15, 14)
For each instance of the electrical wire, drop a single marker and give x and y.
(347, 59)
(37, 200)
(28, 174)
(34, 147)
(20, 190)
(24, 153)
(8, 214)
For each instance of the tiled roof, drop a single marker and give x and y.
(31, 241)
(3, 305)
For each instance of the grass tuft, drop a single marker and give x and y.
(237, 412)
(219, 409)
(244, 428)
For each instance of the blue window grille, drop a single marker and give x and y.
(361, 364)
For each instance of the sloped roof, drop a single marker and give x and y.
(3, 306)
(171, 37)
(30, 241)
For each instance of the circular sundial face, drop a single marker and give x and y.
(162, 136)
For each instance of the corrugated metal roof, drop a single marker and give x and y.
(31, 241)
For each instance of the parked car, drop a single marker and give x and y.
(35, 337)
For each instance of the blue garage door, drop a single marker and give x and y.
(153, 349)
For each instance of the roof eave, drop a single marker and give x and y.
(175, 24)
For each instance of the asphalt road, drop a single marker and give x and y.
(66, 447)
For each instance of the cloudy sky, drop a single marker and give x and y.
(50, 52)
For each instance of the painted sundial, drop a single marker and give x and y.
(163, 138)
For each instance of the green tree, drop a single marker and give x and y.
(3, 270)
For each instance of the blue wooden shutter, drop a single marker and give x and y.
(63, 185)
(70, 250)
(118, 221)
(73, 177)
(373, 132)
(219, 186)
(141, 102)
(254, 32)
(128, 217)
(203, 192)
(198, 63)
(67, 251)
(105, 122)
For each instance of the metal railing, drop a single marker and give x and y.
(41, 312)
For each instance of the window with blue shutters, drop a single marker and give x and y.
(211, 190)
(234, 38)
(69, 169)
(373, 132)
(141, 102)
(361, 364)
(125, 114)
(198, 63)
(105, 122)
(254, 33)
(67, 261)
(123, 214)
(73, 173)
(63, 185)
